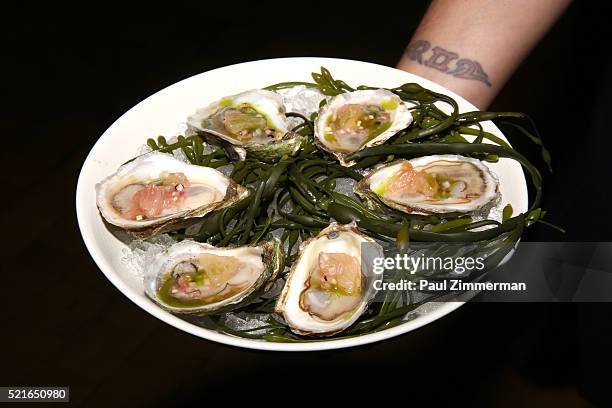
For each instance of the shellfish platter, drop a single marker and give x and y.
(247, 205)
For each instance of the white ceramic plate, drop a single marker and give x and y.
(164, 113)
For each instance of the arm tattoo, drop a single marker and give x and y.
(440, 59)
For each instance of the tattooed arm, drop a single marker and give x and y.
(473, 46)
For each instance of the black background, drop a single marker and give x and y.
(69, 73)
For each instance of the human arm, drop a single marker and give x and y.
(472, 47)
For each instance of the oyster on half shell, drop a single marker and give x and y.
(355, 120)
(431, 184)
(331, 283)
(156, 192)
(199, 279)
(251, 122)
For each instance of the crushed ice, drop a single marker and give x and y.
(241, 321)
(301, 99)
(141, 253)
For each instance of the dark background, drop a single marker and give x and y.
(69, 73)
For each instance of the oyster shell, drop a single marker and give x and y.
(431, 184)
(355, 120)
(252, 122)
(329, 286)
(198, 279)
(156, 192)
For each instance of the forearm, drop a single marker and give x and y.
(472, 47)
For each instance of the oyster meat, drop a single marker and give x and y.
(252, 122)
(431, 184)
(156, 192)
(331, 283)
(199, 279)
(355, 120)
